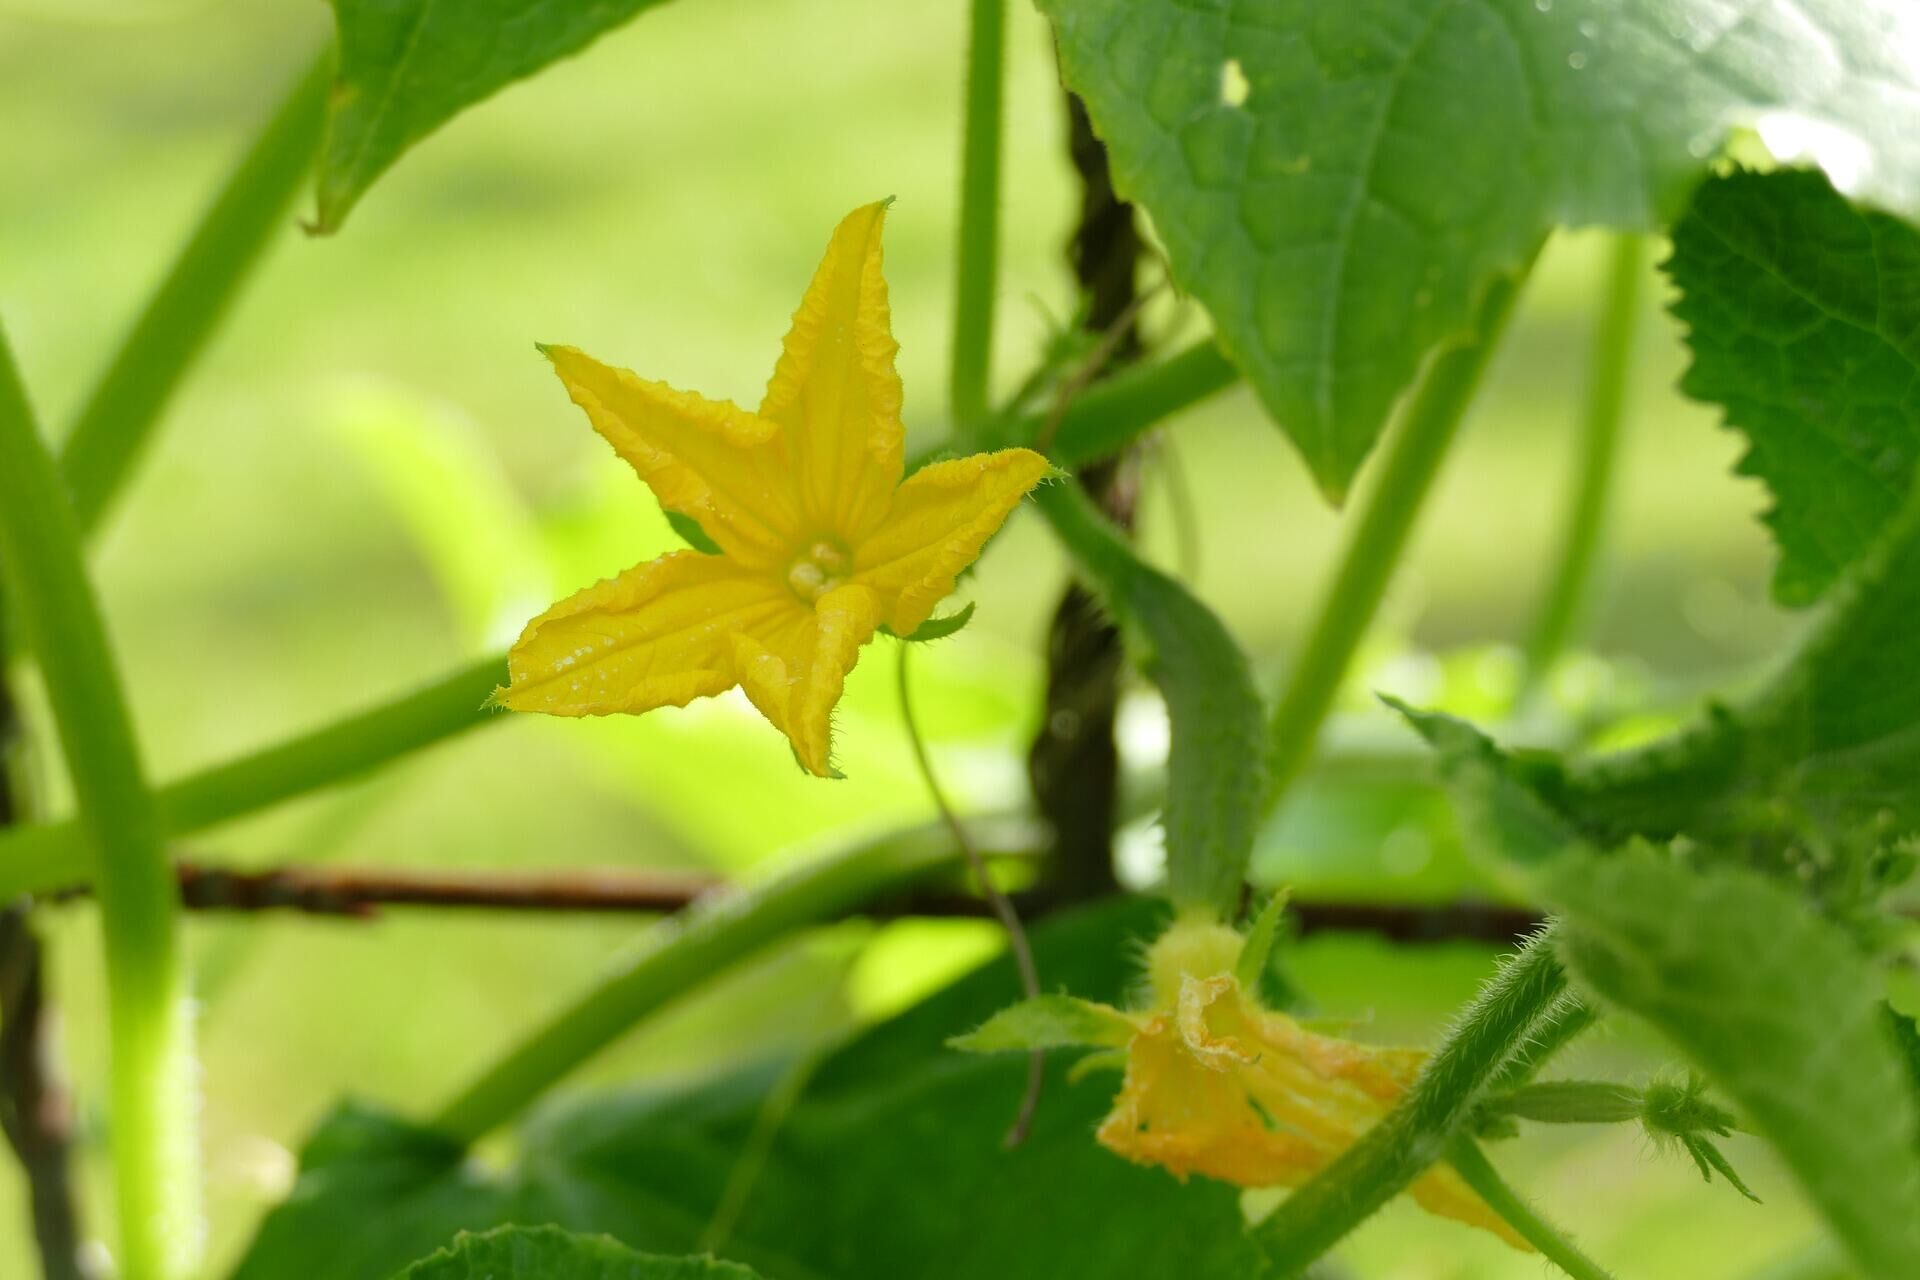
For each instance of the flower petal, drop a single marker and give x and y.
(710, 459)
(939, 520)
(794, 668)
(1222, 1087)
(656, 636)
(835, 390)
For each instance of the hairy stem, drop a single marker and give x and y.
(111, 433)
(679, 955)
(977, 252)
(1379, 536)
(1108, 416)
(155, 1163)
(1472, 1164)
(1389, 1156)
(52, 855)
(1572, 584)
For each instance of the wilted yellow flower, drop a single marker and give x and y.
(1220, 1086)
(1216, 1084)
(820, 541)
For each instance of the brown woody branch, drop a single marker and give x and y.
(360, 893)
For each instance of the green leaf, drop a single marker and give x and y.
(1826, 757)
(1815, 778)
(1339, 184)
(409, 66)
(1216, 766)
(1803, 313)
(1778, 1007)
(690, 532)
(830, 1199)
(548, 1253)
(1048, 1022)
(938, 628)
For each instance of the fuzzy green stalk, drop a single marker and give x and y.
(976, 255)
(1493, 1030)
(1471, 1163)
(1432, 420)
(155, 1163)
(117, 421)
(680, 954)
(1113, 412)
(53, 855)
(1609, 378)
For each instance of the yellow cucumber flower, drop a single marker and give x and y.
(1219, 1085)
(821, 543)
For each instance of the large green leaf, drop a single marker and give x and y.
(548, 1253)
(889, 1165)
(1778, 1007)
(408, 66)
(1340, 183)
(1803, 313)
(1825, 756)
(1816, 777)
(1216, 764)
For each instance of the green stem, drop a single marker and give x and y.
(1598, 463)
(149, 1031)
(680, 954)
(1389, 1156)
(52, 855)
(1109, 415)
(1473, 1166)
(975, 263)
(110, 434)
(1378, 539)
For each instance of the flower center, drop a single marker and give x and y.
(818, 569)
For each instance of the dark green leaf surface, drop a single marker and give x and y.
(1777, 1006)
(408, 66)
(1340, 183)
(1829, 752)
(1816, 777)
(1216, 765)
(1803, 313)
(548, 1253)
(889, 1165)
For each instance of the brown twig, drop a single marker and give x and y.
(359, 893)
(34, 1110)
(1074, 763)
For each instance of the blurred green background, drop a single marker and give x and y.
(372, 477)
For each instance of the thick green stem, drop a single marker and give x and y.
(680, 954)
(1608, 380)
(155, 1167)
(976, 256)
(1389, 1156)
(1473, 1166)
(1112, 413)
(52, 855)
(111, 433)
(1378, 539)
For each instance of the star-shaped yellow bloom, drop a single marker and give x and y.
(821, 543)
